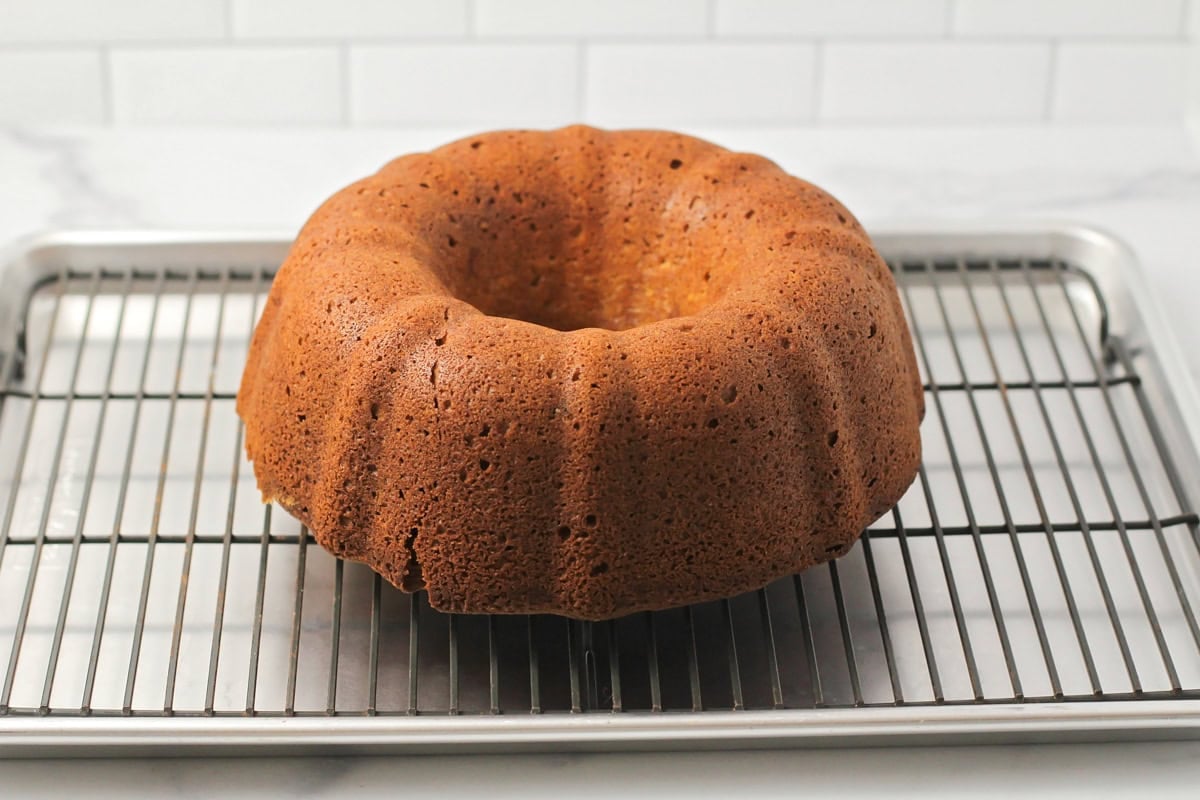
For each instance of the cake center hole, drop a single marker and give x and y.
(579, 261)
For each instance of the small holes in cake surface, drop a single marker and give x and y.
(600, 569)
(374, 410)
(729, 394)
(714, 422)
(554, 251)
(564, 533)
(590, 520)
(832, 438)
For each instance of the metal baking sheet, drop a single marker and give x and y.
(1040, 582)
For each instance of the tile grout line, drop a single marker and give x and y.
(344, 83)
(1190, 31)
(581, 67)
(1051, 82)
(106, 86)
(816, 114)
(655, 40)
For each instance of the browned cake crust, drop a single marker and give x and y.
(582, 372)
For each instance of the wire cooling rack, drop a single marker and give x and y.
(1046, 552)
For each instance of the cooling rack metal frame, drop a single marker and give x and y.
(931, 631)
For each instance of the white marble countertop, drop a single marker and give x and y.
(1142, 184)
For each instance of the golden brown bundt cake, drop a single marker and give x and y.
(582, 372)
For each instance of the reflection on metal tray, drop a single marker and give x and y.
(1043, 567)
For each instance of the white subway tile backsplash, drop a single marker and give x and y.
(627, 62)
(935, 82)
(464, 83)
(688, 83)
(111, 20)
(1115, 18)
(56, 87)
(1120, 82)
(896, 19)
(336, 19)
(624, 18)
(210, 85)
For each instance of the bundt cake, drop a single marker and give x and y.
(582, 372)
